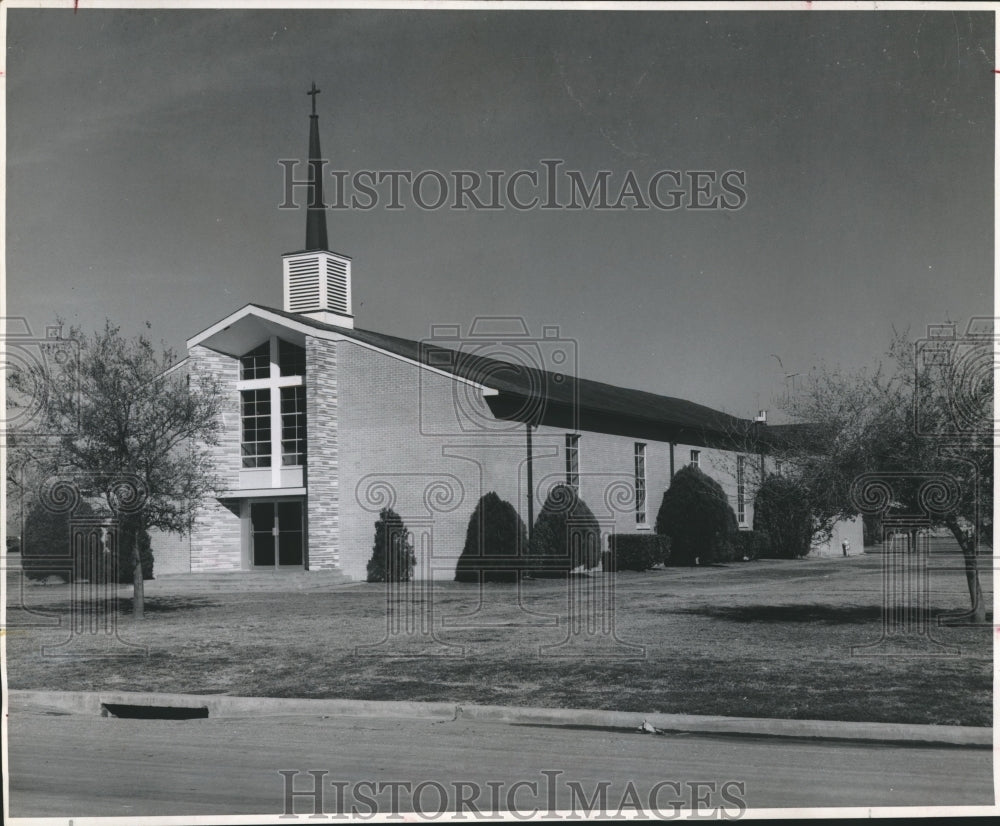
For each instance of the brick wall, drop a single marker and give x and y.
(394, 426)
(171, 552)
(406, 433)
(322, 463)
(607, 475)
(215, 537)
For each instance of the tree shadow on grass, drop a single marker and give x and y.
(829, 614)
(125, 605)
(167, 605)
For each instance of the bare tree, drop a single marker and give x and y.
(900, 419)
(134, 429)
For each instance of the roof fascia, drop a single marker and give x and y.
(326, 335)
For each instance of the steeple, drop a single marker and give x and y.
(316, 213)
(317, 281)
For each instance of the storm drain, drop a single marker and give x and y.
(137, 712)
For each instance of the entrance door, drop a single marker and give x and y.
(276, 530)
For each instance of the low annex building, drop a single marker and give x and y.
(325, 423)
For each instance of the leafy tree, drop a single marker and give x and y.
(924, 410)
(566, 535)
(695, 514)
(133, 430)
(392, 557)
(783, 512)
(495, 543)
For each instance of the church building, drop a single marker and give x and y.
(326, 422)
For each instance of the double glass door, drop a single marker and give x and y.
(277, 534)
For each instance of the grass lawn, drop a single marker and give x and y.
(767, 638)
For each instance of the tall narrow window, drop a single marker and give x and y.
(256, 430)
(573, 461)
(293, 425)
(640, 483)
(741, 489)
(696, 458)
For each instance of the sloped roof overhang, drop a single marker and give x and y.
(241, 331)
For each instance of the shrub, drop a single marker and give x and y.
(49, 550)
(566, 535)
(752, 544)
(782, 510)
(697, 518)
(47, 546)
(392, 554)
(636, 551)
(495, 543)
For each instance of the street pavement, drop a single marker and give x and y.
(76, 765)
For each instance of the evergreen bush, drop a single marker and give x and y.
(495, 543)
(392, 557)
(782, 510)
(566, 535)
(752, 544)
(46, 547)
(49, 550)
(636, 551)
(695, 514)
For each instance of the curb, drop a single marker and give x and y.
(225, 706)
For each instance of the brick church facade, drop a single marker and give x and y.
(325, 423)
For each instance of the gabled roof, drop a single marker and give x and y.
(528, 393)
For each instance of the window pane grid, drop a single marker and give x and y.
(257, 363)
(293, 425)
(640, 483)
(573, 461)
(741, 493)
(255, 446)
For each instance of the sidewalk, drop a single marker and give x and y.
(224, 706)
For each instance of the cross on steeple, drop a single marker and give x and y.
(312, 93)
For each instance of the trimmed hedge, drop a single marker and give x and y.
(697, 517)
(495, 543)
(566, 535)
(636, 551)
(392, 557)
(752, 545)
(782, 510)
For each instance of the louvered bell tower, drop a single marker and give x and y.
(317, 281)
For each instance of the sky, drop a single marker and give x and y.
(143, 184)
